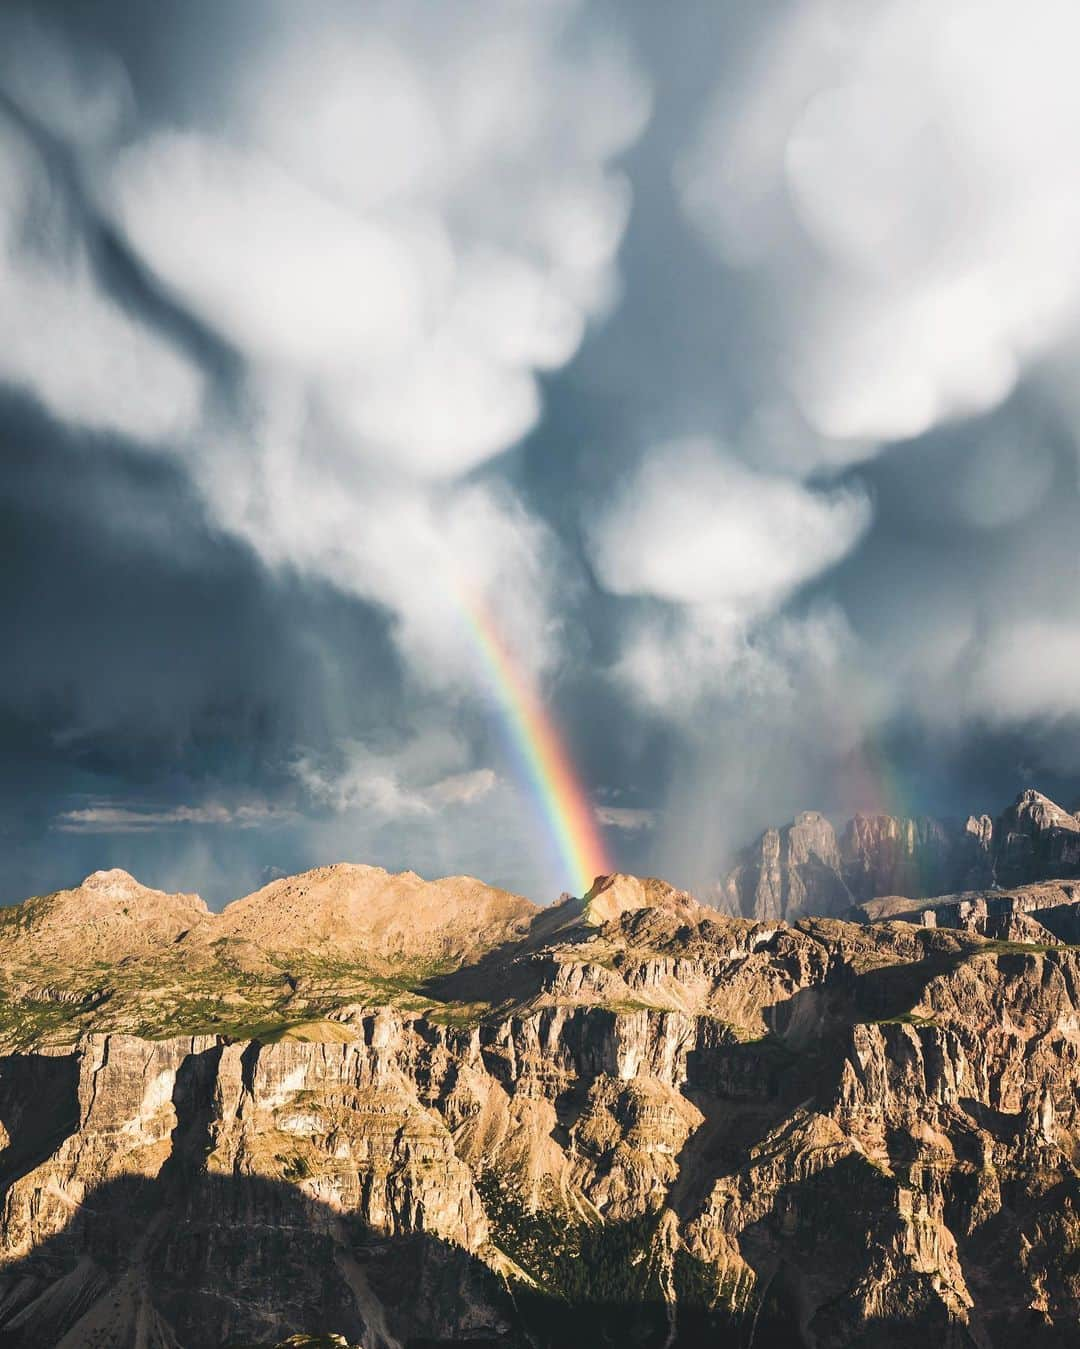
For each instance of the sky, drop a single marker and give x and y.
(723, 356)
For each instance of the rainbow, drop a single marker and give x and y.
(538, 746)
(867, 778)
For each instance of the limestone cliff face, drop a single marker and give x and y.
(804, 869)
(790, 872)
(662, 1127)
(886, 856)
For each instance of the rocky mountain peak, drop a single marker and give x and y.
(1043, 813)
(113, 881)
(812, 819)
(981, 829)
(1035, 839)
(790, 871)
(383, 917)
(120, 885)
(612, 896)
(110, 914)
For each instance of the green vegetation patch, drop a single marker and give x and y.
(1019, 948)
(173, 994)
(613, 1283)
(576, 1261)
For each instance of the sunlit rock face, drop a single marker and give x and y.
(631, 1117)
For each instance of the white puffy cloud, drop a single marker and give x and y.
(426, 552)
(901, 172)
(435, 226)
(1028, 671)
(695, 526)
(421, 777)
(65, 340)
(397, 221)
(723, 546)
(287, 275)
(688, 658)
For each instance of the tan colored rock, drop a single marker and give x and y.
(109, 916)
(388, 920)
(697, 1129)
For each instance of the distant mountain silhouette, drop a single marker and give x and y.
(806, 868)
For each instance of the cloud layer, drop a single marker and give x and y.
(394, 268)
(902, 179)
(725, 360)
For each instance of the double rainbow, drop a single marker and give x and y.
(542, 755)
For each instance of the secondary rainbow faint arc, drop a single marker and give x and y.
(539, 746)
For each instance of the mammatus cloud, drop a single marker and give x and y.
(391, 225)
(320, 264)
(891, 186)
(418, 549)
(395, 295)
(900, 177)
(91, 362)
(696, 526)
(399, 222)
(722, 546)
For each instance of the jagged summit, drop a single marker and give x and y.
(1043, 812)
(113, 881)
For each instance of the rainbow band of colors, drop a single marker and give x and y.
(544, 759)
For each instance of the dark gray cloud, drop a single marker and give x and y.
(322, 327)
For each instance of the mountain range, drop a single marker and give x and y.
(409, 1113)
(807, 868)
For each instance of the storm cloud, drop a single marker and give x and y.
(725, 357)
